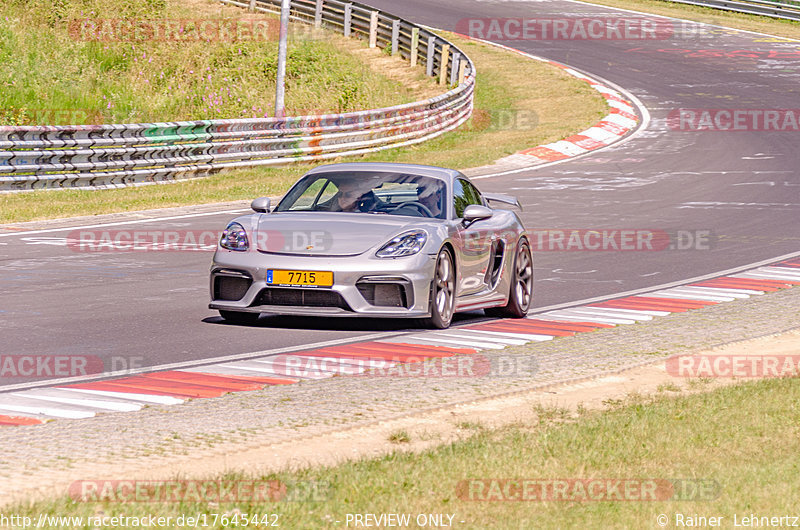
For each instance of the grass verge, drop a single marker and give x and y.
(730, 451)
(519, 103)
(76, 55)
(782, 28)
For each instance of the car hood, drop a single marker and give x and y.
(328, 233)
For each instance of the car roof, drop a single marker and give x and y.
(389, 167)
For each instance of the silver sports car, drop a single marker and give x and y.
(375, 240)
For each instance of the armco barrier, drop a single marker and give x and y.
(108, 156)
(788, 10)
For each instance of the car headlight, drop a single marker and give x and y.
(234, 238)
(406, 244)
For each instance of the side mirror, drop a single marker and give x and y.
(260, 205)
(476, 212)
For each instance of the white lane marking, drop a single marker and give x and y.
(621, 106)
(432, 341)
(621, 120)
(642, 125)
(257, 367)
(68, 393)
(704, 291)
(528, 337)
(598, 134)
(651, 312)
(369, 362)
(352, 361)
(707, 205)
(566, 148)
(589, 318)
(24, 406)
(488, 338)
(218, 369)
(562, 318)
(85, 402)
(145, 398)
(791, 271)
(601, 88)
(120, 223)
(691, 296)
(306, 365)
(611, 312)
(536, 313)
(579, 75)
(758, 275)
(700, 294)
(728, 290)
(678, 283)
(199, 362)
(16, 414)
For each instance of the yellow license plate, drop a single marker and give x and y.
(305, 278)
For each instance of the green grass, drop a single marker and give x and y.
(740, 442)
(45, 66)
(549, 105)
(400, 437)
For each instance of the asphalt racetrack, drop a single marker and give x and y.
(732, 196)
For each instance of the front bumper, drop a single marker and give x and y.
(362, 286)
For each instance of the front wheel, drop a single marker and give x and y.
(239, 317)
(520, 293)
(443, 290)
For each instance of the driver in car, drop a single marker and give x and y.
(432, 201)
(350, 197)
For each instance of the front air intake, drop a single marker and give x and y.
(302, 298)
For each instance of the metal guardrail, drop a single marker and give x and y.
(769, 8)
(108, 156)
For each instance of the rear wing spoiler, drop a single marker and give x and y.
(506, 199)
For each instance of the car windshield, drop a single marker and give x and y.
(369, 193)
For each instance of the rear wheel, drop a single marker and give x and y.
(239, 317)
(520, 293)
(443, 291)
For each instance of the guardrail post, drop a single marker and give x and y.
(443, 64)
(395, 37)
(414, 45)
(252, 6)
(454, 68)
(462, 72)
(318, 15)
(348, 18)
(431, 52)
(373, 29)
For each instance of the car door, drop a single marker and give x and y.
(474, 241)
